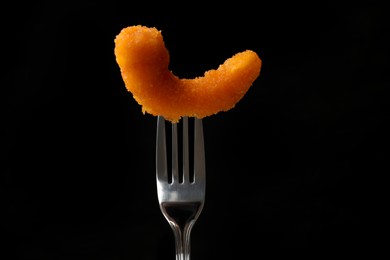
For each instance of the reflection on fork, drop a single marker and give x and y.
(181, 194)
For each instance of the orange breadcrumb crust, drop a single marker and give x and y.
(143, 61)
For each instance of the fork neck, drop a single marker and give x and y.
(182, 218)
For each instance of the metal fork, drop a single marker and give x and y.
(181, 197)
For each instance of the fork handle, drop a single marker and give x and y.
(181, 218)
(182, 239)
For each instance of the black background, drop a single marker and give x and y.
(297, 166)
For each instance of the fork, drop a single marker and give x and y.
(181, 196)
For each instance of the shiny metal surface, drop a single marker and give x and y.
(181, 197)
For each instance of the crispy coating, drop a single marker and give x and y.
(143, 61)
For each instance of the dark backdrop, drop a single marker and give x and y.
(297, 166)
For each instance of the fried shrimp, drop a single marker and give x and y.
(143, 60)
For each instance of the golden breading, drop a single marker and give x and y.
(143, 61)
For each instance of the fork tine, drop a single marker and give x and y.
(199, 153)
(175, 156)
(186, 165)
(161, 147)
